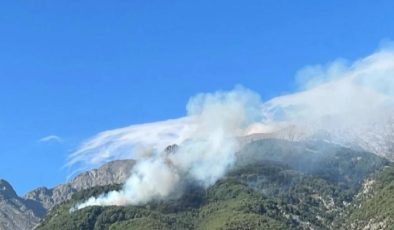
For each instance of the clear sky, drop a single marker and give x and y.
(71, 69)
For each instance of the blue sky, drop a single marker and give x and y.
(74, 68)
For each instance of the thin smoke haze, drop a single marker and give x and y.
(349, 104)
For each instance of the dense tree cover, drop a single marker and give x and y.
(274, 186)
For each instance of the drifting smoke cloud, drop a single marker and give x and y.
(350, 104)
(131, 142)
(203, 157)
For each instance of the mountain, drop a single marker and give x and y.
(112, 172)
(373, 207)
(15, 212)
(275, 184)
(26, 212)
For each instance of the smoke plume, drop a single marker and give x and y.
(346, 103)
(203, 157)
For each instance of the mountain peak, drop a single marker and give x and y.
(6, 190)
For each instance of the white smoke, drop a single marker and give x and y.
(351, 104)
(346, 103)
(203, 157)
(131, 142)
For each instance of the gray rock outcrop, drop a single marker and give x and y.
(22, 213)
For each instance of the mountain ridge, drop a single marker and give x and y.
(274, 184)
(272, 189)
(20, 213)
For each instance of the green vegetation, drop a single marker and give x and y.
(264, 191)
(374, 206)
(229, 204)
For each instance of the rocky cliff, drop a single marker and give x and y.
(21, 213)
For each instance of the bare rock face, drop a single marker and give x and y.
(48, 198)
(6, 190)
(15, 212)
(114, 172)
(21, 213)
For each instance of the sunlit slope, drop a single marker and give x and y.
(275, 185)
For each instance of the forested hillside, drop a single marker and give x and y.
(277, 185)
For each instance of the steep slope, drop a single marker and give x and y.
(26, 212)
(15, 212)
(276, 184)
(110, 173)
(373, 207)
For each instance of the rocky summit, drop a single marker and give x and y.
(16, 212)
(21, 213)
